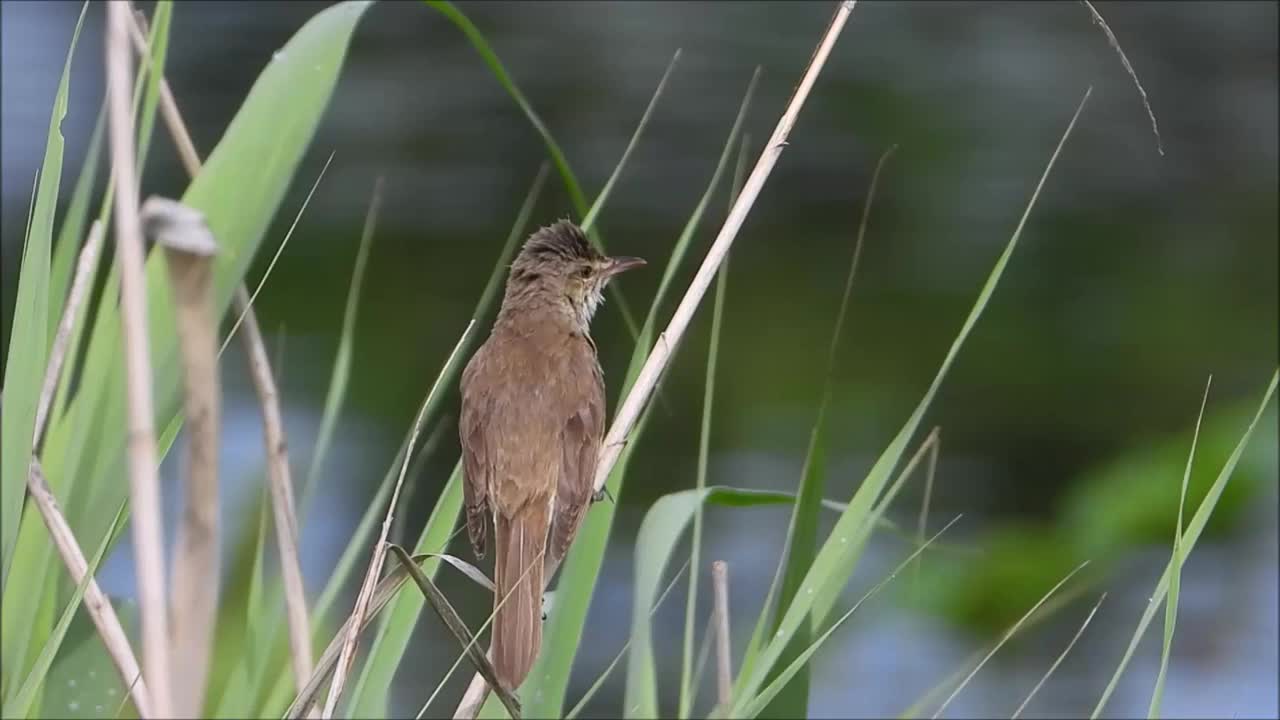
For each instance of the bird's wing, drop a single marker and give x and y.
(581, 442)
(475, 465)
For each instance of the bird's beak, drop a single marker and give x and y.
(622, 264)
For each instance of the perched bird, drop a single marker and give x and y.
(533, 412)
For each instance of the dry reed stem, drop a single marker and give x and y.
(724, 671)
(95, 601)
(347, 658)
(144, 482)
(189, 249)
(278, 466)
(660, 356)
(88, 259)
(281, 482)
(642, 389)
(1124, 60)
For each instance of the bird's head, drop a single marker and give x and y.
(557, 264)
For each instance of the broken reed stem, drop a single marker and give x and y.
(347, 658)
(88, 259)
(144, 482)
(278, 476)
(283, 507)
(189, 250)
(724, 674)
(629, 412)
(95, 601)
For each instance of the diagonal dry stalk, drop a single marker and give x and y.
(189, 249)
(347, 658)
(95, 601)
(277, 456)
(144, 479)
(642, 389)
(629, 412)
(88, 259)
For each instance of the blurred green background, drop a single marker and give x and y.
(1065, 422)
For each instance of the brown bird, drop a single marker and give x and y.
(533, 412)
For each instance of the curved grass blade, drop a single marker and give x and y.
(28, 341)
(836, 560)
(341, 373)
(1189, 538)
(767, 695)
(660, 531)
(576, 196)
(1005, 638)
(1171, 602)
(793, 699)
(595, 686)
(704, 440)
(1088, 619)
(588, 220)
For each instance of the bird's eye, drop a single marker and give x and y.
(584, 272)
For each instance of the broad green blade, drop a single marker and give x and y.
(839, 555)
(660, 531)
(74, 227)
(28, 341)
(543, 692)
(1189, 538)
(23, 628)
(26, 694)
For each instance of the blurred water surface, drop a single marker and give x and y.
(1138, 275)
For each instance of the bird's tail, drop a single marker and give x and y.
(517, 624)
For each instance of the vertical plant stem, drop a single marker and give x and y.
(282, 502)
(144, 482)
(189, 251)
(724, 672)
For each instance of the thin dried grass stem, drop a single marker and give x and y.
(347, 657)
(660, 356)
(189, 250)
(88, 259)
(281, 482)
(96, 603)
(144, 480)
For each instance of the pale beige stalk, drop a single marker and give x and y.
(189, 249)
(144, 485)
(724, 670)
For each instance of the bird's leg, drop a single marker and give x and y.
(601, 494)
